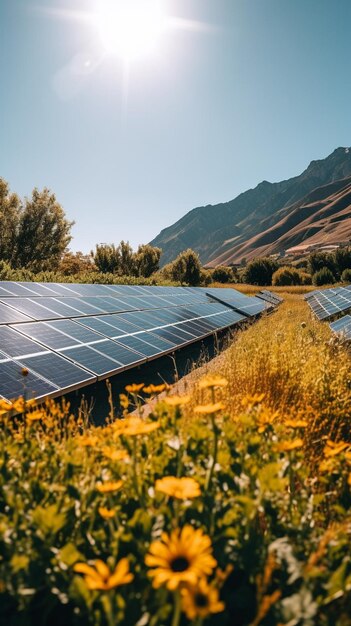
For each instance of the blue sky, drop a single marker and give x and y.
(258, 92)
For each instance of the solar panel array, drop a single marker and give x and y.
(342, 327)
(70, 335)
(329, 302)
(270, 297)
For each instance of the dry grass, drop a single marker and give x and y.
(253, 289)
(302, 370)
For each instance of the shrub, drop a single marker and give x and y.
(319, 260)
(342, 259)
(346, 276)
(186, 268)
(287, 275)
(222, 274)
(260, 271)
(323, 277)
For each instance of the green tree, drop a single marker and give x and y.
(147, 260)
(43, 232)
(187, 268)
(319, 260)
(260, 271)
(342, 259)
(223, 274)
(323, 277)
(10, 206)
(75, 263)
(107, 258)
(127, 259)
(346, 276)
(287, 275)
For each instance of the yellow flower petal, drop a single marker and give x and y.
(213, 381)
(109, 486)
(207, 409)
(177, 400)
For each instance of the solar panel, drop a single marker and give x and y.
(70, 335)
(342, 326)
(250, 306)
(85, 347)
(40, 360)
(329, 302)
(13, 384)
(8, 315)
(269, 296)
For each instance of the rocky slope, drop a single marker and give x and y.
(314, 206)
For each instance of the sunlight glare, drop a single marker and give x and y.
(130, 29)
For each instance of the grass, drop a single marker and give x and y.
(98, 525)
(299, 366)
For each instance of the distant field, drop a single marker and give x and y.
(252, 289)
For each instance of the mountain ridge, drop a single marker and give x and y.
(225, 233)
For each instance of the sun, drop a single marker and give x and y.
(131, 29)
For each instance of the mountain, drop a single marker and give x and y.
(314, 206)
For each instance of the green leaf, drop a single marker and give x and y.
(19, 562)
(48, 519)
(69, 554)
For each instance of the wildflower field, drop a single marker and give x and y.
(227, 504)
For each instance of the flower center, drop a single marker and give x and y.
(179, 564)
(201, 600)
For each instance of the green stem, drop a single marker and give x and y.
(107, 602)
(135, 470)
(177, 609)
(214, 453)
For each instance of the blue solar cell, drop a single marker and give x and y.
(92, 360)
(340, 324)
(32, 308)
(45, 334)
(134, 342)
(39, 359)
(8, 315)
(58, 370)
(13, 384)
(110, 325)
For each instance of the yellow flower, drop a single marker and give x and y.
(115, 455)
(5, 407)
(296, 423)
(208, 409)
(253, 400)
(20, 405)
(106, 513)
(334, 448)
(265, 419)
(155, 388)
(177, 400)
(214, 380)
(123, 400)
(35, 416)
(181, 488)
(134, 426)
(184, 556)
(89, 441)
(109, 486)
(100, 576)
(134, 388)
(200, 600)
(288, 446)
